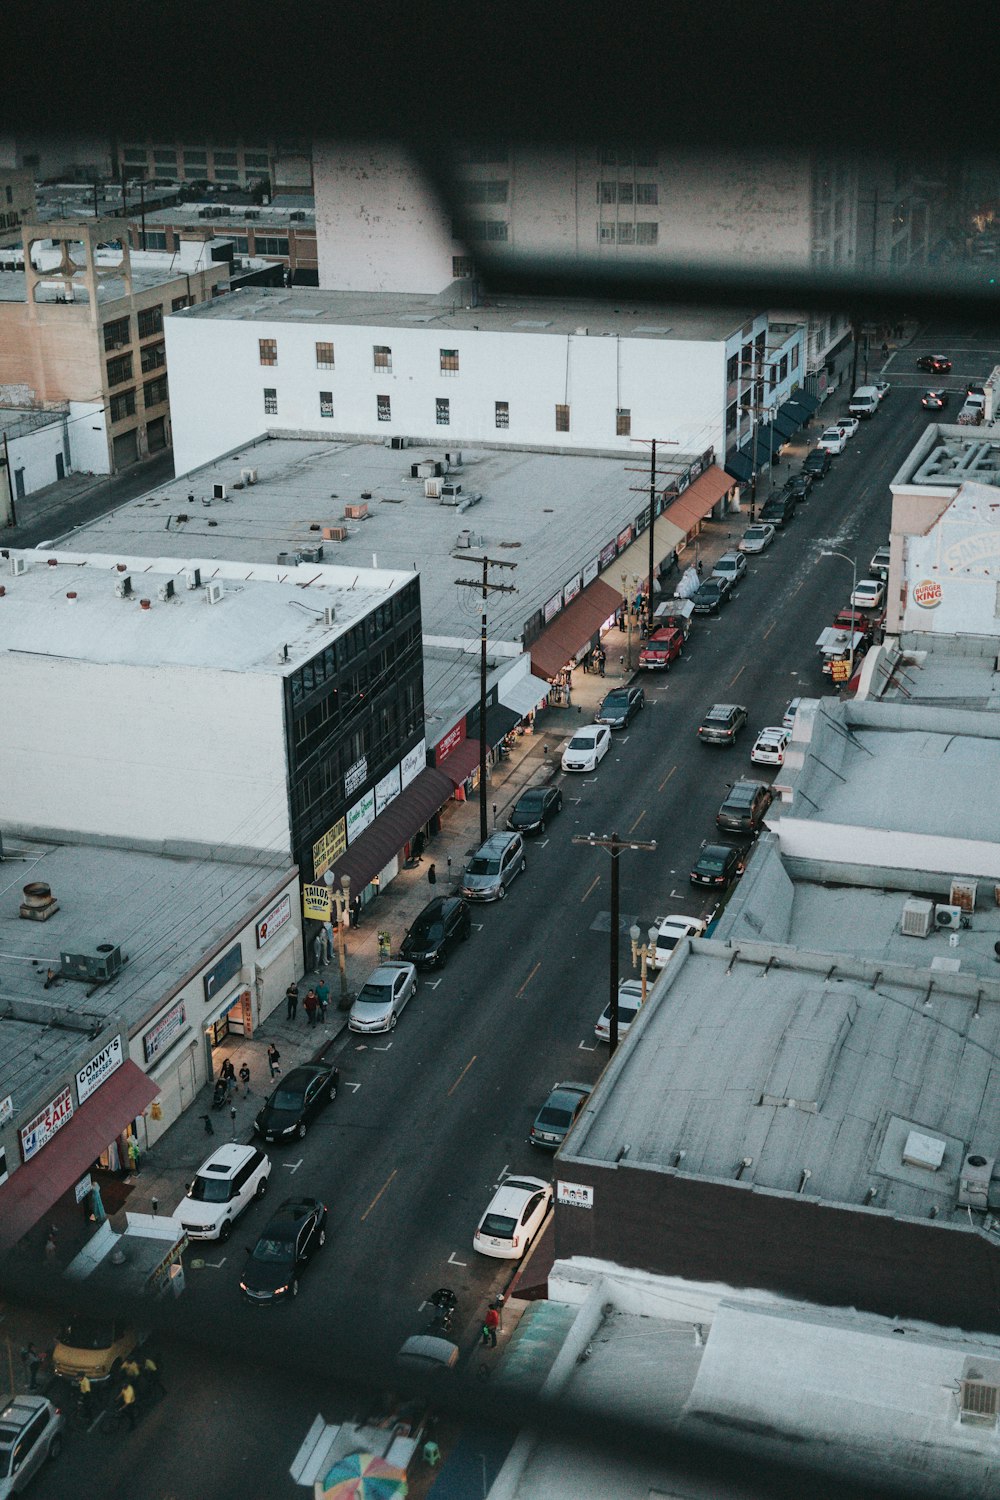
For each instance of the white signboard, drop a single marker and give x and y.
(160, 1035)
(413, 762)
(100, 1067)
(553, 607)
(356, 776)
(274, 920)
(6, 1108)
(39, 1131)
(84, 1188)
(575, 1194)
(387, 790)
(590, 572)
(360, 815)
(571, 589)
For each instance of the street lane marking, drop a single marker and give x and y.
(477, 926)
(354, 1086)
(596, 881)
(292, 1166)
(528, 980)
(461, 1075)
(585, 1048)
(541, 844)
(666, 778)
(739, 673)
(432, 984)
(386, 1048)
(638, 821)
(453, 1262)
(767, 632)
(379, 1194)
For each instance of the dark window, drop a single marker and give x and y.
(732, 411)
(268, 351)
(135, 154)
(120, 369)
(626, 234)
(488, 229)
(123, 406)
(155, 391)
(117, 334)
(150, 321)
(383, 408)
(326, 403)
(647, 232)
(257, 159)
(485, 192)
(625, 192)
(152, 357)
(462, 266)
(224, 158)
(226, 174)
(623, 422)
(165, 159)
(647, 192)
(442, 411)
(194, 158)
(502, 411)
(270, 401)
(180, 302)
(732, 368)
(449, 361)
(153, 239)
(562, 419)
(324, 357)
(270, 244)
(382, 355)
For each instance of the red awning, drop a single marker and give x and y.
(578, 623)
(32, 1190)
(395, 825)
(699, 498)
(462, 762)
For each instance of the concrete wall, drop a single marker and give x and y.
(88, 437)
(34, 454)
(179, 760)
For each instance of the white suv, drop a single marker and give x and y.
(225, 1186)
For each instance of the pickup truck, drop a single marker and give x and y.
(662, 648)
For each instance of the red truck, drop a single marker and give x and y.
(662, 648)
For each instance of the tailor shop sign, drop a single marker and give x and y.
(39, 1131)
(100, 1067)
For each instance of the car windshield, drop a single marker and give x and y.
(481, 866)
(86, 1333)
(551, 1115)
(530, 802)
(375, 994)
(713, 864)
(755, 533)
(499, 1225)
(667, 941)
(210, 1189)
(427, 932)
(286, 1098)
(582, 742)
(627, 1011)
(273, 1250)
(615, 700)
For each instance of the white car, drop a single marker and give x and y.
(769, 746)
(670, 932)
(791, 709)
(868, 594)
(587, 748)
(756, 537)
(225, 1185)
(382, 997)
(516, 1213)
(850, 425)
(833, 440)
(629, 1004)
(883, 388)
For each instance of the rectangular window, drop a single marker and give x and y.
(324, 357)
(485, 192)
(562, 419)
(120, 369)
(165, 158)
(180, 302)
(449, 361)
(225, 174)
(625, 193)
(117, 334)
(647, 192)
(155, 391)
(623, 422)
(607, 192)
(270, 245)
(155, 239)
(270, 401)
(240, 244)
(732, 412)
(605, 234)
(135, 154)
(732, 368)
(502, 413)
(123, 406)
(794, 360)
(488, 229)
(462, 267)
(255, 159)
(384, 408)
(647, 233)
(195, 158)
(626, 234)
(224, 158)
(150, 321)
(268, 351)
(382, 357)
(326, 403)
(442, 411)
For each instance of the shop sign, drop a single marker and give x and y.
(576, 1194)
(552, 607)
(413, 762)
(316, 903)
(624, 537)
(247, 1009)
(84, 1188)
(360, 815)
(591, 571)
(158, 1038)
(328, 849)
(927, 593)
(572, 589)
(356, 776)
(445, 746)
(387, 790)
(100, 1067)
(224, 968)
(6, 1109)
(608, 554)
(274, 920)
(3, 1166)
(682, 483)
(39, 1131)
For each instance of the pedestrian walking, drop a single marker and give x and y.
(601, 660)
(245, 1077)
(228, 1076)
(50, 1247)
(209, 1127)
(323, 996)
(31, 1361)
(311, 1005)
(126, 1403)
(273, 1058)
(431, 875)
(491, 1323)
(885, 351)
(292, 996)
(355, 911)
(86, 1400)
(151, 1376)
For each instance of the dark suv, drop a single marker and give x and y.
(722, 723)
(744, 807)
(817, 463)
(778, 510)
(442, 924)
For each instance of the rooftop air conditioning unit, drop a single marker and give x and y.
(454, 460)
(123, 586)
(289, 559)
(214, 592)
(219, 492)
(464, 539)
(249, 476)
(432, 488)
(335, 533)
(165, 590)
(963, 893)
(950, 918)
(18, 565)
(427, 468)
(101, 965)
(330, 615)
(918, 918)
(192, 578)
(974, 1181)
(355, 512)
(312, 554)
(399, 442)
(451, 493)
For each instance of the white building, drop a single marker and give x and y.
(35, 450)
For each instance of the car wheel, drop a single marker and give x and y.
(55, 1447)
(559, 803)
(294, 1287)
(333, 1092)
(527, 1247)
(301, 1130)
(501, 893)
(442, 958)
(261, 1187)
(392, 1021)
(225, 1232)
(321, 1238)
(524, 865)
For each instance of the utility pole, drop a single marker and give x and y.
(487, 588)
(615, 847)
(756, 367)
(653, 493)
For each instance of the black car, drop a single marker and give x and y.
(713, 593)
(744, 808)
(817, 463)
(534, 808)
(935, 363)
(298, 1097)
(717, 865)
(286, 1246)
(619, 705)
(798, 485)
(778, 510)
(442, 924)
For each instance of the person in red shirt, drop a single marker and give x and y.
(491, 1323)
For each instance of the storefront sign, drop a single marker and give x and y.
(6, 1109)
(624, 537)
(316, 902)
(100, 1067)
(608, 554)
(571, 589)
(575, 1194)
(445, 746)
(57, 1113)
(3, 1166)
(590, 571)
(328, 849)
(973, 553)
(552, 607)
(360, 815)
(413, 762)
(927, 593)
(84, 1188)
(274, 920)
(247, 1008)
(387, 790)
(356, 776)
(158, 1038)
(224, 968)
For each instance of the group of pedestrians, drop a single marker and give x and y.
(315, 1003)
(139, 1386)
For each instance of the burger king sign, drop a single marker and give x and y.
(927, 593)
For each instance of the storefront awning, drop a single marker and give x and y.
(634, 561)
(807, 402)
(790, 411)
(699, 498)
(569, 631)
(787, 426)
(462, 762)
(395, 826)
(500, 720)
(524, 695)
(33, 1189)
(739, 466)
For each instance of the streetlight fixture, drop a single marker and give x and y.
(854, 588)
(342, 900)
(642, 953)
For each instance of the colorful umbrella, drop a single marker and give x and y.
(363, 1476)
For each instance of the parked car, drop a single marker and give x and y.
(934, 400)
(629, 1005)
(494, 865)
(869, 593)
(817, 463)
(798, 486)
(936, 364)
(879, 565)
(832, 440)
(850, 425)
(769, 746)
(383, 997)
(853, 622)
(883, 388)
(744, 807)
(731, 566)
(722, 723)
(224, 1187)
(534, 809)
(976, 388)
(757, 537)
(427, 1355)
(619, 706)
(94, 1347)
(516, 1213)
(711, 596)
(283, 1251)
(298, 1098)
(587, 748)
(669, 932)
(718, 865)
(31, 1432)
(778, 510)
(661, 650)
(791, 709)
(865, 402)
(442, 925)
(557, 1115)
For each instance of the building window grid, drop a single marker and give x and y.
(150, 321)
(270, 401)
(120, 369)
(268, 349)
(326, 403)
(122, 406)
(382, 358)
(154, 392)
(449, 361)
(117, 334)
(562, 419)
(324, 357)
(442, 411)
(502, 414)
(462, 267)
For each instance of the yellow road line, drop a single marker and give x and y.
(638, 821)
(739, 673)
(767, 632)
(379, 1194)
(596, 881)
(461, 1075)
(666, 778)
(528, 980)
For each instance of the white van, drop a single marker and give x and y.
(864, 402)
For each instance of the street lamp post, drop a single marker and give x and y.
(854, 588)
(642, 953)
(342, 901)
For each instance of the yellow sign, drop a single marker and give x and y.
(841, 671)
(316, 902)
(327, 849)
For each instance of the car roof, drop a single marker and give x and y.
(225, 1160)
(21, 1408)
(579, 1089)
(510, 1196)
(387, 972)
(773, 732)
(303, 1073)
(497, 842)
(288, 1218)
(744, 791)
(731, 555)
(723, 708)
(713, 849)
(424, 1349)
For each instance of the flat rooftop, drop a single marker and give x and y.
(498, 315)
(263, 609)
(758, 1050)
(258, 217)
(139, 902)
(167, 271)
(947, 455)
